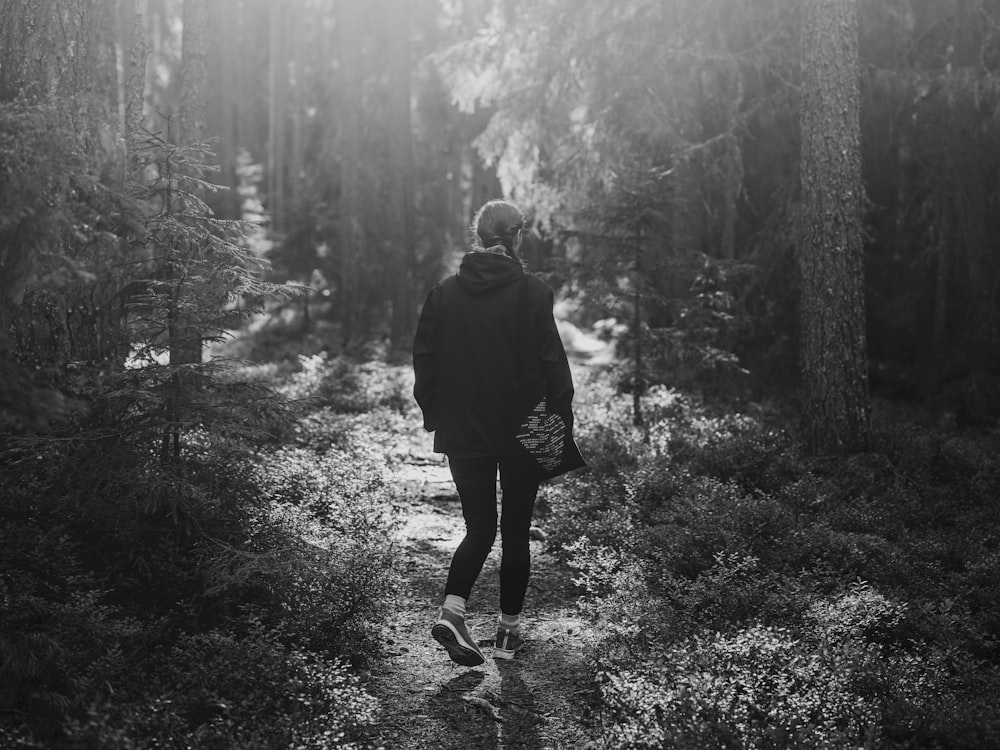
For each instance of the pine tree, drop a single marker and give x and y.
(834, 361)
(352, 223)
(401, 218)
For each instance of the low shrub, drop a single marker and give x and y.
(589, 506)
(760, 687)
(604, 427)
(689, 520)
(733, 448)
(859, 614)
(218, 689)
(249, 567)
(744, 595)
(735, 591)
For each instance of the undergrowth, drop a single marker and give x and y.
(742, 594)
(748, 596)
(229, 598)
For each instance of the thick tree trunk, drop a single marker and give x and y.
(46, 56)
(834, 361)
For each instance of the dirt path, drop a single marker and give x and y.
(541, 699)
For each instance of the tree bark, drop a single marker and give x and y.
(834, 362)
(296, 165)
(278, 85)
(185, 338)
(46, 56)
(352, 225)
(223, 59)
(401, 168)
(639, 375)
(135, 70)
(194, 73)
(732, 167)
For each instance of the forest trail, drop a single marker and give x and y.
(539, 700)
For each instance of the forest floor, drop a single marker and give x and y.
(543, 698)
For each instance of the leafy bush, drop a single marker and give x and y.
(744, 595)
(587, 506)
(732, 448)
(56, 626)
(734, 591)
(320, 590)
(861, 613)
(217, 689)
(226, 559)
(603, 426)
(758, 688)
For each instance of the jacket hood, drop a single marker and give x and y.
(482, 272)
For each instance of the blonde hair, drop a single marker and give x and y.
(496, 225)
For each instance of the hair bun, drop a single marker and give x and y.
(496, 224)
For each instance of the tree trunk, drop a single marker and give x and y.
(401, 170)
(278, 85)
(194, 73)
(135, 71)
(834, 362)
(639, 375)
(352, 225)
(45, 56)
(185, 338)
(732, 167)
(223, 60)
(730, 194)
(300, 33)
(103, 53)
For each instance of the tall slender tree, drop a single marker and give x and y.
(296, 161)
(401, 168)
(277, 104)
(350, 23)
(224, 22)
(185, 339)
(194, 73)
(834, 361)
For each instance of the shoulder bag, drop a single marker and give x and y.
(542, 435)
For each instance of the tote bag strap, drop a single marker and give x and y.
(529, 386)
(527, 347)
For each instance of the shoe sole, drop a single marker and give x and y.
(457, 651)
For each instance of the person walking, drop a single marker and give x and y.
(481, 331)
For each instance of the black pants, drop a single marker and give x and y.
(475, 478)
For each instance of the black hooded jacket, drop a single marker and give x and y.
(475, 331)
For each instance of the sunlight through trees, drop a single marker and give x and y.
(769, 225)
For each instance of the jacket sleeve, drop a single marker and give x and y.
(425, 375)
(554, 364)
